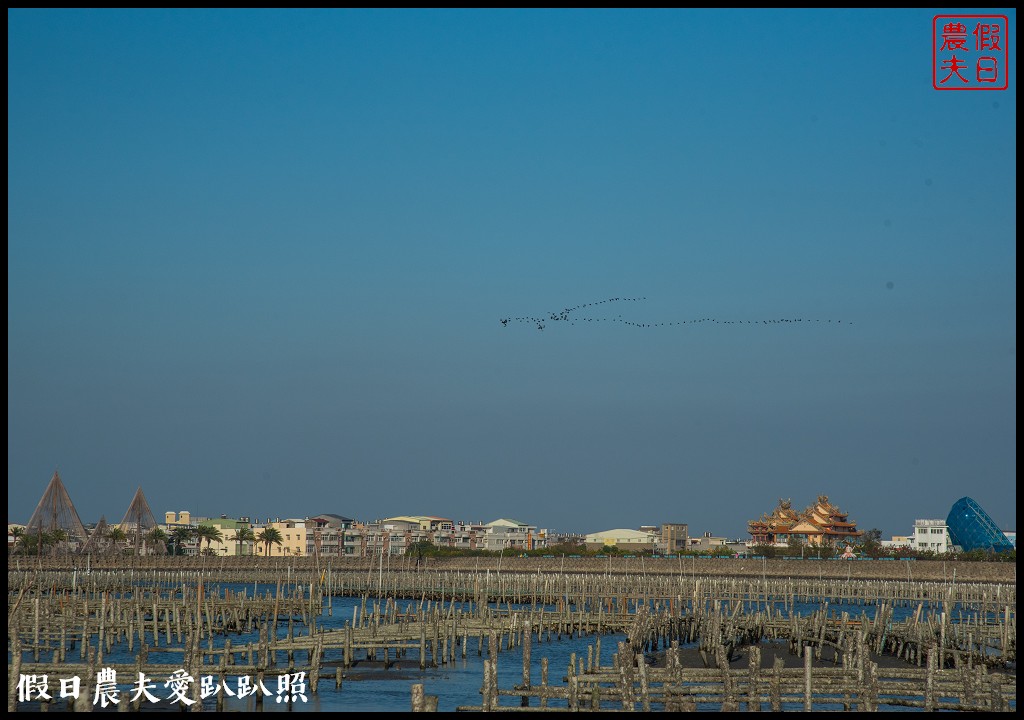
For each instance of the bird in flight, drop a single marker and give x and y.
(564, 315)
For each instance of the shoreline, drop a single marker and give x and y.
(960, 571)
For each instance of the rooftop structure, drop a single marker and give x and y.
(425, 522)
(821, 523)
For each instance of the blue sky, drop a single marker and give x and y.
(257, 262)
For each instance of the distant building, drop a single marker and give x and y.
(181, 521)
(711, 543)
(625, 540)
(931, 536)
(14, 531)
(327, 536)
(427, 523)
(899, 541)
(466, 536)
(395, 535)
(566, 538)
(375, 539)
(229, 543)
(821, 523)
(1011, 536)
(673, 538)
(331, 520)
(503, 534)
(296, 538)
(972, 528)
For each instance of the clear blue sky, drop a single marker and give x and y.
(257, 262)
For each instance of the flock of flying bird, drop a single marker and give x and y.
(565, 315)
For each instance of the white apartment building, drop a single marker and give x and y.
(506, 534)
(931, 535)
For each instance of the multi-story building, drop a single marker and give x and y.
(229, 542)
(380, 538)
(465, 536)
(931, 535)
(326, 538)
(295, 537)
(673, 538)
(395, 535)
(505, 534)
(181, 521)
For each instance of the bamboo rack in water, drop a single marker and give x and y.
(859, 684)
(53, 611)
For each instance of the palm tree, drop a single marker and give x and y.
(208, 533)
(270, 536)
(155, 537)
(244, 534)
(116, 537)
(32, 543)
(58, 538)
(180, 537)
(17, 533)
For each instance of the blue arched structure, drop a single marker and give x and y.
(972, 529)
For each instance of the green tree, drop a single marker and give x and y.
(33, 543)
(180, 537)
(825, 551)
(269, 536)
(17, 533)
(423, 548)
(871, 543)
(795, 546)
(762, 550)
(59, 539)
(244, 534)
(208, 533)
(154, 538)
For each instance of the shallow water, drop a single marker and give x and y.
(368, 687)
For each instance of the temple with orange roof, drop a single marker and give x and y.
(820, 524)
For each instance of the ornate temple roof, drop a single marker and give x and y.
(821, 517)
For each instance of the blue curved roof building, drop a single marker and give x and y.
(972, 529)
